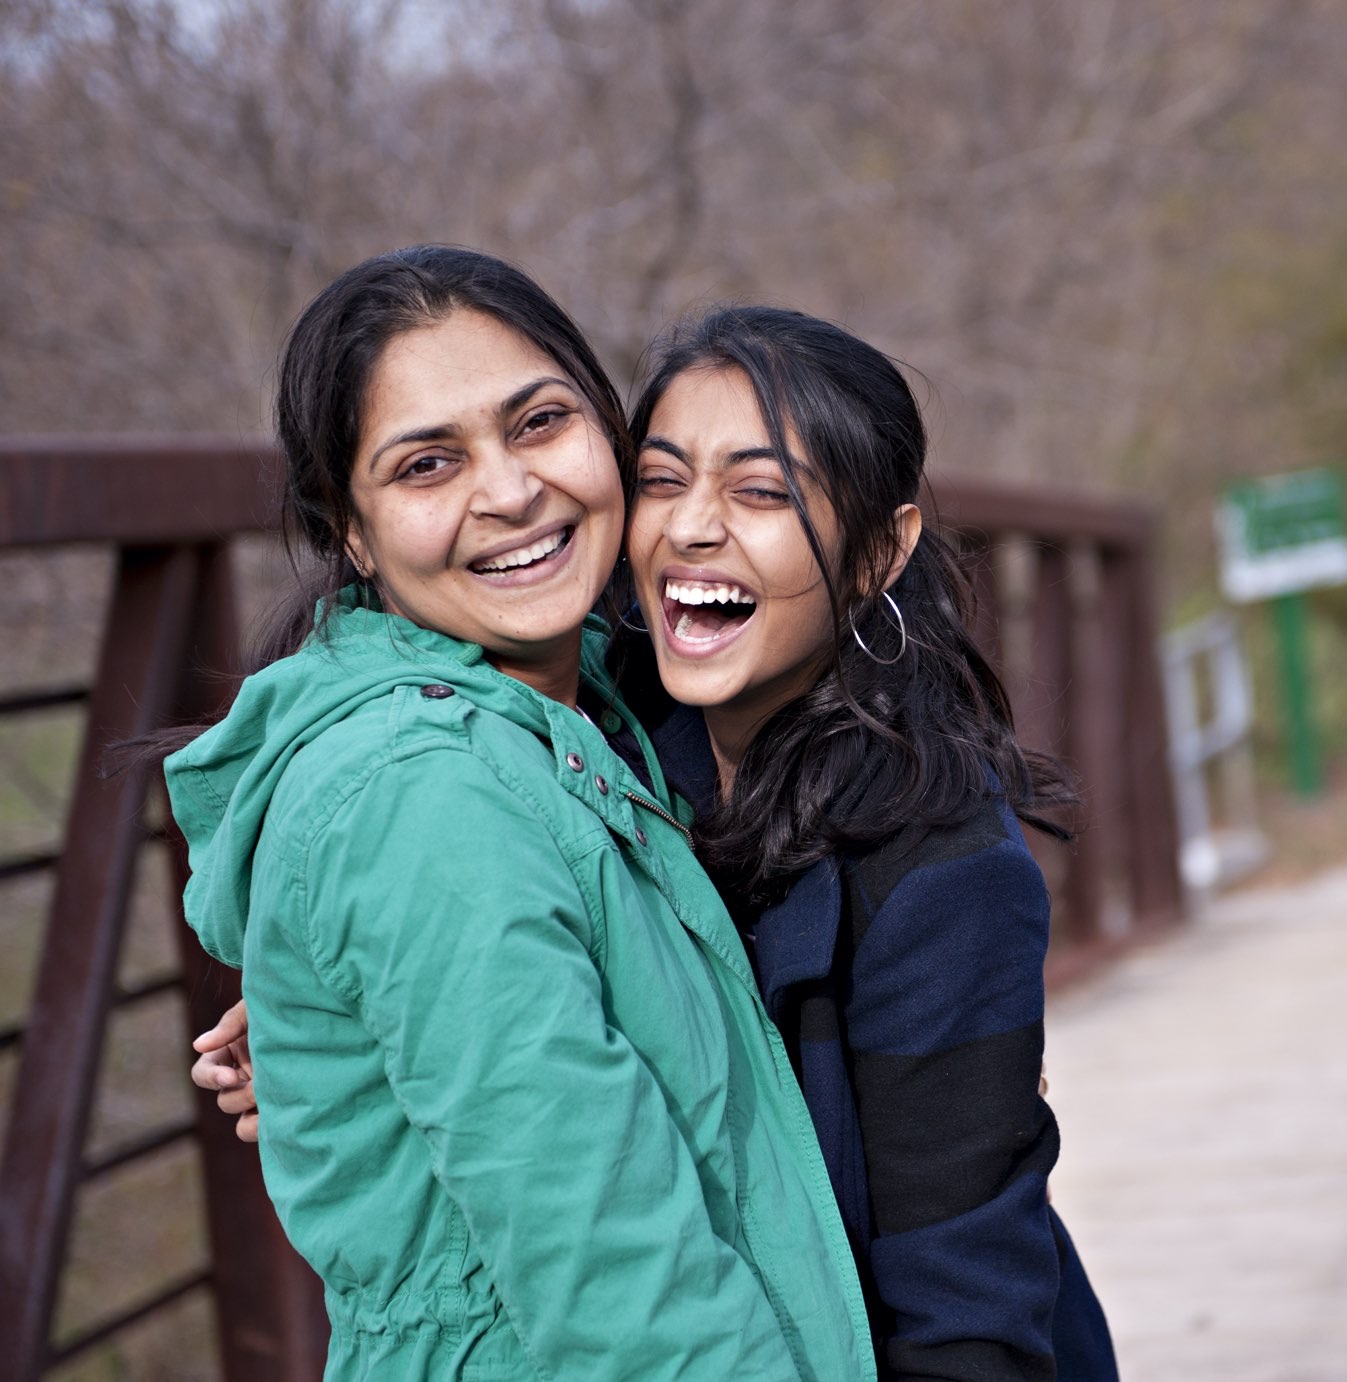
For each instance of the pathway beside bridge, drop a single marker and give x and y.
(1201, 1086)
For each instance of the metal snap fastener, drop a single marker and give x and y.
(641, 838)
(437, 692)
(575, 763)
(601, 783)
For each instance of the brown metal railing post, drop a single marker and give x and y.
(1153, 854)
(980, 564)
(269, 1310)
(137, 674)
(1087, 750)
(1108, 678)
(1040, 699)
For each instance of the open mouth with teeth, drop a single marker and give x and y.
(525, 558)
(705, 611)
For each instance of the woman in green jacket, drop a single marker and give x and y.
(524, 1112)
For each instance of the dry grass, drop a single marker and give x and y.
(1305, 836)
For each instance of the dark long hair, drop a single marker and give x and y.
(898, 735)
(325, 371)
(326, 367)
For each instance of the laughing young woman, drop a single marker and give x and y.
(858, 781)
(524, 1112)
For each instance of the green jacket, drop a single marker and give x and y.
(523, 1110)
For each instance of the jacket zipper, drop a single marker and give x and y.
(664, 816)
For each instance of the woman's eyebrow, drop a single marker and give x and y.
(522, 396)
(750, 453)
(443, 432)
(447, 431)
(739, 457)
(654, 443)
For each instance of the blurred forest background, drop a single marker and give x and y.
(1111, 235)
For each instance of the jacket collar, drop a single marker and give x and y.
(793, 941)
(678, 732)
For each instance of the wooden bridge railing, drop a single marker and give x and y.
(1065, 611)
(1067, 614)
(170, 509)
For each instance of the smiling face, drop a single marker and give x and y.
(736, 603)
(487, 497)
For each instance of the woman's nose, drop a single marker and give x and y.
(507, 487)
(695, 521)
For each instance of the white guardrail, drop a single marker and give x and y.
(1210, 707)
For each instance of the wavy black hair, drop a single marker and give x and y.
(889, 737)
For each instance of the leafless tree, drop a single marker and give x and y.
(1072, 215)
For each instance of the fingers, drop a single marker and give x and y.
(237, 1101)
(224, 1067)
(218, 1070)
(243, 1057)
(232, 1026)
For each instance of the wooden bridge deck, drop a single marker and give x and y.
(1201, 1086)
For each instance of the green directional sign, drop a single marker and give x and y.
(1282, 534)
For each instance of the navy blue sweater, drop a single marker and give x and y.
(908, 985)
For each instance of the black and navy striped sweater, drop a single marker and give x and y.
(908, 985)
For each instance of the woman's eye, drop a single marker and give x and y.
(657, 484)
(763, 494)
(422, 466)
(547, 420)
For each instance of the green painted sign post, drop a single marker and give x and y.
(1280, 536)
(1288, 612)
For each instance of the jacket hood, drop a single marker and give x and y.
(221, 785)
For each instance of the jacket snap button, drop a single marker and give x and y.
(641, 837)
(575, 763)
(601, 783)
(437, 692)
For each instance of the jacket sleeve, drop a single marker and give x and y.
(945, 1022)
(452, 920)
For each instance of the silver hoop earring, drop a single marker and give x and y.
(902, 633)
(627, 624)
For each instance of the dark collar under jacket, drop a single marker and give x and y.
(794, 940)
(678, 732)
